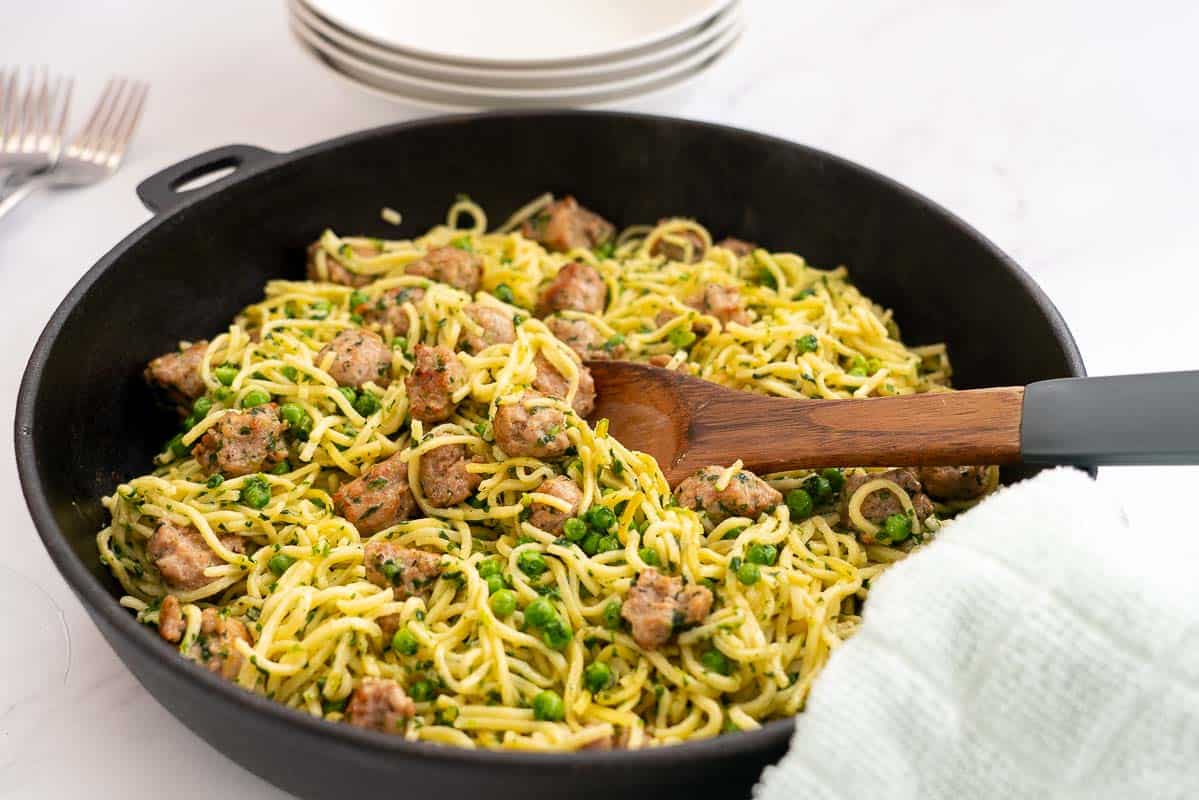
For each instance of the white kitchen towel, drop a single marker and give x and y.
(1038, 648)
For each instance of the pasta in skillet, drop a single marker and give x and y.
(386, 505)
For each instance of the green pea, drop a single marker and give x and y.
(649, 556)
(226, 373)
(503, 602)
(255, 397)
(256, 492)
(540, 612)
(357, 298)
(489, 566)
(858, 372)
(445, 716)
(597, 676)
(202, 406)
(319, 310)
(715, 661)
(607, 544)
(612, 615)
(800, 503)
(422, 691)
(531, 563)
(503, 293)
(291, 373)
(556, 634)
(348, 393)
(574, 529)
(600, 518)
(177, 447)
(280, 563)
(391, 570)
(548, 707)
(764, 554)
(808, 344)
(189, 422)
(613, 342)
(494, 584)
(223, 394)
(215, 481)
(366, 404)
(819, 488)
(282, 468)
(835, 478)
(749, 573)
(897, 527)
(292, 413)
(463, 243)
(591, 543)
(681, 337)
(404, 642)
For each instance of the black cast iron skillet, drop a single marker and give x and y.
(85, 422)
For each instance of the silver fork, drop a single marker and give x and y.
(31, 121)
(96, 152)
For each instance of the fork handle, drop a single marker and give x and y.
(14, 198)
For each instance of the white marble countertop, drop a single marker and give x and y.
(1065, 131)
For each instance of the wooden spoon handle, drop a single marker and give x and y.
(978, 426)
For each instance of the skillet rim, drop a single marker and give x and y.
(97, 600)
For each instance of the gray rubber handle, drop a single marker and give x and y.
(1125, 419)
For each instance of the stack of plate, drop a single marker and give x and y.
(467, 54)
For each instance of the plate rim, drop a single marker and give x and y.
(693, 21)
(490, 97)
(730, 16)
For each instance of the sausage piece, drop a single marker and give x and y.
(954, 483)
(359, 356)
(450, 265)
(388, 308)
(689, 248)
(564, 225)
(181, 555)
(737, 247)
(722, 302)
(243, 442)
(410, 572)
(444, 478)
(657, 606)
(552, 383)
(214, 646)
(585, 340)
(436, 376)
(380, 704)
(378, 498)
(497, 324)
(747, 495)
(177, 374)
(576, 287)
(326, 268)
(881, 504)
(548, 518)
(170, 619)
(539, 432)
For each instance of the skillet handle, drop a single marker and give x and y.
(160, 192)
(1118, 420)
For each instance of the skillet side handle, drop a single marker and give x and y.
(160, 192)
(1119, 420)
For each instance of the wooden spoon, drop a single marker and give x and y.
(687, 423)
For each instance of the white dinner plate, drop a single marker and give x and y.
(477, 97)
(641, 61)
(516, 32)
(648, 96)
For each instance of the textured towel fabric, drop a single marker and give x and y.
(1038, 648)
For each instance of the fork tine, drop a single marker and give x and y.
(130, 118)
(112, 119)
(65, 107)
(84, 139)
(7, 91)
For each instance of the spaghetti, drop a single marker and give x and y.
(518, 643)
